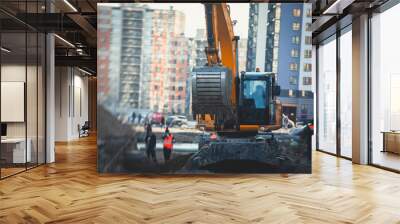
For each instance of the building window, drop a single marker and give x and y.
(293, 66)
(295, 40)
(307, 53)
(307, 68)
(276, 52)
(308, 40)
(276, 40)
(291, 93)
(308, 27)
(296, 12)
(303, 109)
(307, 81)
(274, 66)
(292, 80)
(294, 53)
(309, 13)
(296, 26)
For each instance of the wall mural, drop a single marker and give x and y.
(204, 88)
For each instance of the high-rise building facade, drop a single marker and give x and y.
(104, 30)
(279, 41)
(242, 45)
(132, 55)
(179, 74)
(200, 43)
(170, 62)
(145, 58)
(124, 57)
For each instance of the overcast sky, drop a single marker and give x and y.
(195, 17)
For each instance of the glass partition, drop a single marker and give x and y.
(22, 78)
(14, 154)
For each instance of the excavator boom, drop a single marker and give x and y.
(222, 43)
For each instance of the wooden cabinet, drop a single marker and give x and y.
(391, 142)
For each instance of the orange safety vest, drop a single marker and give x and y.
(168, 142)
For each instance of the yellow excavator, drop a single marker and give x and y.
(243, 109)
(223, 99)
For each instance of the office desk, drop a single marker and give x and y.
(13, 150)
(391, 141)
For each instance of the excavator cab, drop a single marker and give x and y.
(257, 99)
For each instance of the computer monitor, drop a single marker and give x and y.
(3, 129)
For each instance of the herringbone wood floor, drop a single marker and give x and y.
(71, 191)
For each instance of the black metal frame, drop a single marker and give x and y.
(380, 9)
(37, 164)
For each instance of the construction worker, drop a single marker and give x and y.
(168, 144)
(133, 117)
(166, 132)
(151, 146)
(213, 136)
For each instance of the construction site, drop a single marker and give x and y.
(233, 121)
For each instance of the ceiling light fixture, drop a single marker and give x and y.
(337, 7)
(84, 71)
(64, 40)
(70, 5)
(5, 50)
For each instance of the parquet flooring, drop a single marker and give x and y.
(71, 191)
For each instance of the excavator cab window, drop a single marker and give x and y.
(254, 91)
(253, 105)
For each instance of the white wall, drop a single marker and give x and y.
(71, 103)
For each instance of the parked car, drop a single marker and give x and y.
(176, 121)
(169, 120)
(157, 118)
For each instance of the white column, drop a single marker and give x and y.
(50, 99)
(360, 90)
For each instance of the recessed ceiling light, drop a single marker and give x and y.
(84, 71)
(64, 40)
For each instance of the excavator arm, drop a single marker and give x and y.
(214, 86)
(222, 43)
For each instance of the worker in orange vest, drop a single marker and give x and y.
(168, 144)
(213, 136)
